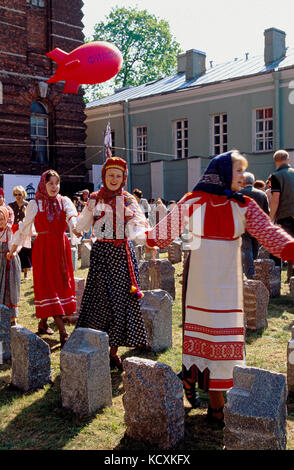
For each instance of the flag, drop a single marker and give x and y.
(107, 142)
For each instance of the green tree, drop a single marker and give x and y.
(147, 45)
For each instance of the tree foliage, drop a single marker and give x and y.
(147, 45)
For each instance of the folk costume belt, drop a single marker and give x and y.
(134, 287)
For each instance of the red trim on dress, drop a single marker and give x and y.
(220, 384)
(215, 311)
(213, 331)
(219, 351)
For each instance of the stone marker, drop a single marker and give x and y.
(162, 276)
(85, 372)
(31, 365)
(256, 411)
(290, 365)
(157, 274)
(85, 255)
(256, 299)
(153, 402)
(149, 256)
(144, 275)
(74, 257)
(263, 253)
(139, 250)
(5, 328)
(292, 287)
(270, 274)
(79, 288)
(156, 308)
(175, 252)
(82, 242)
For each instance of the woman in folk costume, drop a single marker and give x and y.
(111, 298)
(213, 324)
(10, 270)
(53, 276)
(19, 210)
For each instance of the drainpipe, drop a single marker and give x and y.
(128, 142)
(277, 110)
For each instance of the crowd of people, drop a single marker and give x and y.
(237, 214)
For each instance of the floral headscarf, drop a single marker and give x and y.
(217, 178)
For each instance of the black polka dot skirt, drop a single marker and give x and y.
(107, 304)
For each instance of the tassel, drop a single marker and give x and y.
(136, 292)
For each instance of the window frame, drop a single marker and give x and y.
(182, 149)
(264, 131)
(223, 146)
(143, 148)
(38, 139)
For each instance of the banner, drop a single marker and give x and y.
(28, 182)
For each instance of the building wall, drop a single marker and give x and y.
(238, 98)
(27, 32)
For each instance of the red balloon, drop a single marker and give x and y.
(91, 63)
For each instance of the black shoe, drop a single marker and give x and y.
(210, 418)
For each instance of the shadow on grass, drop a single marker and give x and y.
(198, 435)
(44, 424)
(252, 336)
(116, 375)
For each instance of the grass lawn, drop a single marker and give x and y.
(36, 420)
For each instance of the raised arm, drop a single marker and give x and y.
(174, 223)
(272, 237)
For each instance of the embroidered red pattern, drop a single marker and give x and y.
(213, 331)
(259, 226)
(220, 351)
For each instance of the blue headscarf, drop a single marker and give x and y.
(217, 178)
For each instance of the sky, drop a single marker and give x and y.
(223, 29)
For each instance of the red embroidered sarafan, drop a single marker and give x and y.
(54, 285)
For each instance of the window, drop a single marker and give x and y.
(181, 138)
(39, 133)
(263, 131)
(219, 133)
(140, 144)
(36, 3)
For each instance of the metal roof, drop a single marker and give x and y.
(238, 68)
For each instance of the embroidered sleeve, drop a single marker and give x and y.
(173, 224)
(26, 228)
(137, 224)
(85, 219)
(70, 211)
(272, 237)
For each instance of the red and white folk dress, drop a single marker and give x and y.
(213, 336)
(53, 275)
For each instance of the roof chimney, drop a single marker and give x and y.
(274, 45)
(192, 62)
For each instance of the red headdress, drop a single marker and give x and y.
(104, 193)
(2, 192)
(52, 205)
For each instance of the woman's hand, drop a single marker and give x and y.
(11, 254)
(76, 233)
